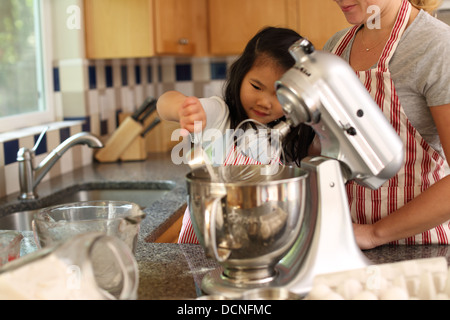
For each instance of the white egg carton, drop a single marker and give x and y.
(422, 279)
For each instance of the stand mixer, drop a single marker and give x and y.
(307, 208)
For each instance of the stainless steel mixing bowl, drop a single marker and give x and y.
(249, 225)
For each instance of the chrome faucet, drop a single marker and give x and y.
(29, 176)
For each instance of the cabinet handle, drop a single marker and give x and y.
(183, 41)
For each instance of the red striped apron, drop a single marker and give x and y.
(423, 166)
(187, 233)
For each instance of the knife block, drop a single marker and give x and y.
(136, 151)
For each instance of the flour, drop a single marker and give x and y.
(49, 279)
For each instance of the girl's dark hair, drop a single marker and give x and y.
(273, 43)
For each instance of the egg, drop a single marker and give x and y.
(447, 284)
(319, 292)
(413, 284)
(333, 296)
(400, 282)
(365, 295)
(349, 288)
(376, 283)
(439, 281)
(427, 290)
(394, 293)
(442, 296)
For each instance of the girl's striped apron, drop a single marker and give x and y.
(423, 166)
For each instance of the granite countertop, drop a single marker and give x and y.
(173, 271)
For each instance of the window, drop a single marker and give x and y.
(22, 59)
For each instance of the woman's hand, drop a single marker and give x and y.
(191, 113)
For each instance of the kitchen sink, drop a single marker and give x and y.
(141, 197)
(141, 193)
(20, 221)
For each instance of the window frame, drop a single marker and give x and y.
(20, 121)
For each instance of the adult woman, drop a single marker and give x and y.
(401, 54)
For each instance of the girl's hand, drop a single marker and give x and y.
(190, 112)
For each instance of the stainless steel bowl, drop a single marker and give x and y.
(249, 225)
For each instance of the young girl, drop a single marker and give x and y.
(249, 94)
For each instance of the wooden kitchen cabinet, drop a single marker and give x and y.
(181, 27)
(232, 23)
(145, 28)
(319, 20)
(118, 29)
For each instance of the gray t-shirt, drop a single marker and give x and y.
(420, 69)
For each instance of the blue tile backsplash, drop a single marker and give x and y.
(137, 74)
(92, 77)
(103, 127)
(86, 122)
(109, 76)
(64, 133)
(10, 149)
(149, 74)
(183, 72)
(42, 147)
(56, 83)
(124, 75)
(143, 76)
(218, 70)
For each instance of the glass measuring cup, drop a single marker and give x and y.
(9, 246)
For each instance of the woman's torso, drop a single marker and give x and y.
(418, 69)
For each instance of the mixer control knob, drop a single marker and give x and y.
(351, 131)
(300, 48)
(307, 46)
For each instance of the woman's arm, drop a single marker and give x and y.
(424, 212)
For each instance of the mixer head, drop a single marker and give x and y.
(323, 91)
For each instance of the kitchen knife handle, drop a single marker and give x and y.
(151, 126)
(146, 104)
(148, 112)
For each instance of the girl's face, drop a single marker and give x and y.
(258, 94)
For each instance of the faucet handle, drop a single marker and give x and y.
(41, 136)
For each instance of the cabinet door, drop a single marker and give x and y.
(118, 28)
(319, 20)
(180, 27)
(234, 22)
